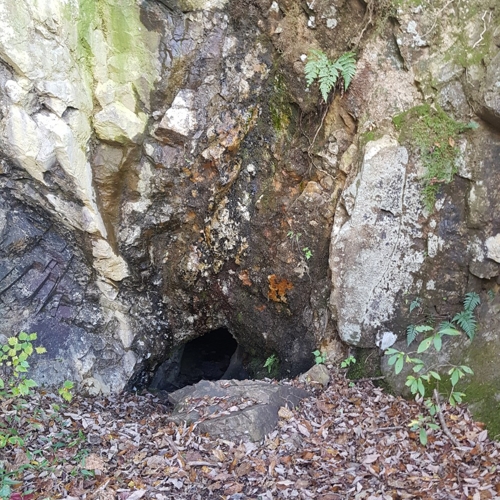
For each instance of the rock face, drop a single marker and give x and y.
(164, 172)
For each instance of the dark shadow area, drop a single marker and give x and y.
(212, 356)
(207, 357)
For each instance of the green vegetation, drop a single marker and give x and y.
(295, 237)
(327, 73)
(319, 358)
(14, 365)
(279, 105)
(350, 360)
(24, 415)
(430, 131)
(272, 363)
(424, 375)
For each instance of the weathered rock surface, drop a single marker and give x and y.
(172, 151)
(372, 256)
(234, 409)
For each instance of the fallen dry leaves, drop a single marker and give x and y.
(344, 443)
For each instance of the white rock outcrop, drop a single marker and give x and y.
(371, 255)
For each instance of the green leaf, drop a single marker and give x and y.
(423, 436)
(437, 342)
(30, 383)
(23, 336)
(390, 351)
(449, 331)
(417, 368)
(393, 359)
(424, 345)
(12, 341)
(454, 376)
(40, 350)
(467, 369)
(435, 375)
(399, 365)
(5, 491)
(421, 387)
(424, 328)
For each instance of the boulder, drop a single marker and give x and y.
(234, 409)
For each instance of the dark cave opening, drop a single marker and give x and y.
(213, 356)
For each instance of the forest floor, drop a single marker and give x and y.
(350, 441)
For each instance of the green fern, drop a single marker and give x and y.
(465, 319)
(347, 63)
(471, 301)
(411, 334)
(415, 304)
(327, 73)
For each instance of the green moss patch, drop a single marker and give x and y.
(431, 133)
(279, 105)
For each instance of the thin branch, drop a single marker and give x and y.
(367, 379)
(440, 415)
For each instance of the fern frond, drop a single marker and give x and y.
(347, 63)
(414, 304)
(327, 80)
(315, 61)
(320, 68)
(411, 334)
(444, 325)
(471, 301)
(467, 322)
(311, 70)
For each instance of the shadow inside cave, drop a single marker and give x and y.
(213, 356)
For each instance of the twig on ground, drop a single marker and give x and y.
(367, 379)
(440, 415)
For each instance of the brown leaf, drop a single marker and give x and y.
(94, 461)
(219, 455)
(231, 489)
(243, 469)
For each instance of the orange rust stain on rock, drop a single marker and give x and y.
(278, 288)
(245, 278)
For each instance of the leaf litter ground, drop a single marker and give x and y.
(346, 442)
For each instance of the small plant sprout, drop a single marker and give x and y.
(351, 360)
(319, 358)
(65, 390)
(307, 253)
(421, 425)
(271, 363)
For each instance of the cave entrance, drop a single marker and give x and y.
(212, 356)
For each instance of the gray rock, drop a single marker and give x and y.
(234, 409)
(318, 374)
(371, 254)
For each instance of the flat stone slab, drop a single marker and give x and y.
(234, 409)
